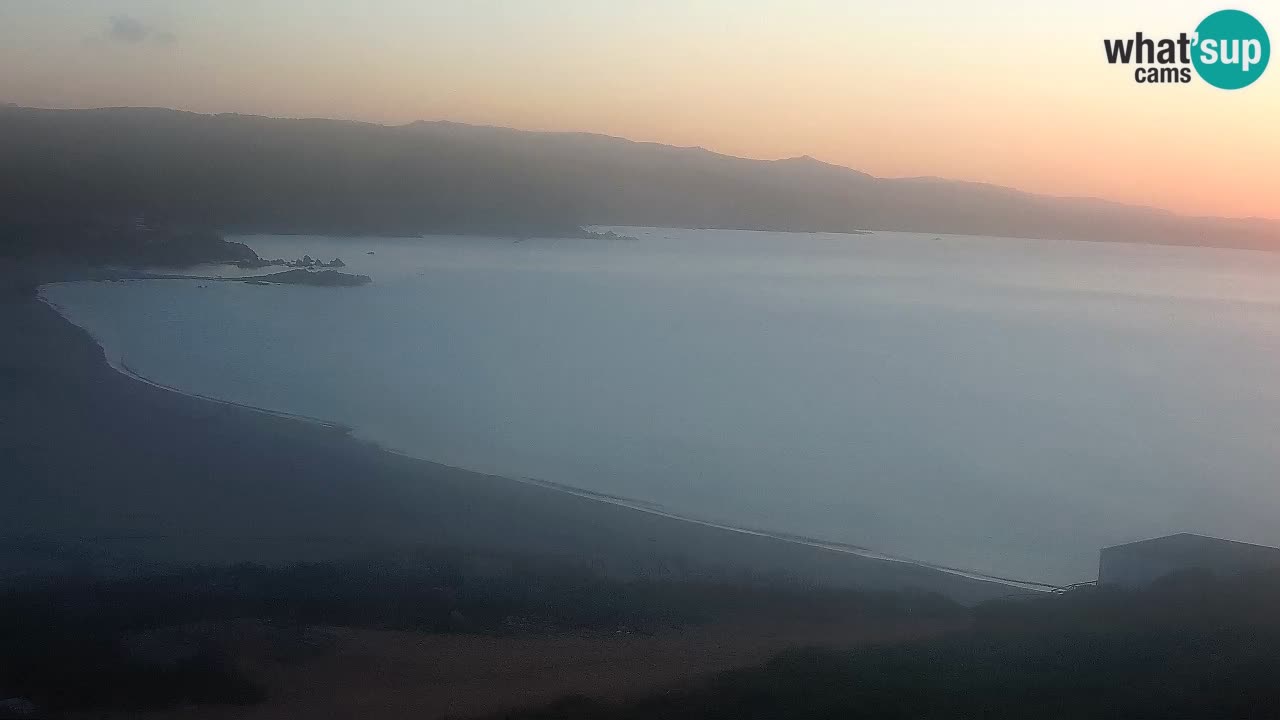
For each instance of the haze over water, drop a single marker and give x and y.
(1004, 406)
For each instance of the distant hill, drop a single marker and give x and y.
(245, 173)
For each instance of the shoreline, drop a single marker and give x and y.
(105, 454)
(119, 365)
(847, 548)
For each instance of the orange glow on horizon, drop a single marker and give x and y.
(1000, 93)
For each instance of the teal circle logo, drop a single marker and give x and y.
(1232, 49)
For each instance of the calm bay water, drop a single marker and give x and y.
(1005, 406)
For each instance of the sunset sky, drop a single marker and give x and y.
(1010, 92)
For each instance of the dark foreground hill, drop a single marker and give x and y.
(65, 168)
(1191, 647)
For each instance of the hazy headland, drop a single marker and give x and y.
(70, 173)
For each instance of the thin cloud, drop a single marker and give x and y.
(128, 30)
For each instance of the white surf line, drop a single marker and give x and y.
(119, 366)
(845, 548)
(125, 370)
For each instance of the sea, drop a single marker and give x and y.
(997, 406)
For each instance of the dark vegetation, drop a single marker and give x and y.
(323, 278)
(67, 172)
(91, 645)
(115, 241)
(306, 261)
(1191, 646)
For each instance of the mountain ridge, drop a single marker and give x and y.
(236, 173)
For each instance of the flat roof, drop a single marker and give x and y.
(1190, 545)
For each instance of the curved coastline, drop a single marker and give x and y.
(118, 364)
(846, 548)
